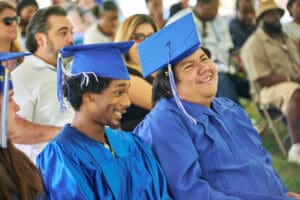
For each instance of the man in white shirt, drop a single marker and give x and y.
(35, 81)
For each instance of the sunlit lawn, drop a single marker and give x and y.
(289, 172)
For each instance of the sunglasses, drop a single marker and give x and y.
(9, 20)
(139, 37)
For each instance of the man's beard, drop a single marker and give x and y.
(51, 49)
(272, 28)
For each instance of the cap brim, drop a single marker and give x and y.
(12, 55)
(71, 50)
(261, 13)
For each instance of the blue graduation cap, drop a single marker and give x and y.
(170, 45)
(102, 60)
(5, 86)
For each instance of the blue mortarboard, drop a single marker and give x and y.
(103, 60)
(5, 85)
(168, 46)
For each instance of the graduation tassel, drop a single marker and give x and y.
(176, 97)
(4, 109)
(60, 80)
(173, 88)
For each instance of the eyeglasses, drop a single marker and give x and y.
(139, 37)
(9, 20)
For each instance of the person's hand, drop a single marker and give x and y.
(293, 195)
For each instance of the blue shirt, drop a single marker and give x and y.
(220, 157)
(75, 166)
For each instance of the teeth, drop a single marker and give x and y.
(206, 79)
(120, 113)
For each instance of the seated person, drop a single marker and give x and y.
(206, 145)
(25, 9)
(155, 8)
(88, 159)
(19, 177)
(242, 25)
(292, 29)
(137, 28)
(272, 62)
(104, 29)
(214, 34)
(182, 4)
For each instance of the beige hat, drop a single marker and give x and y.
(266, 5)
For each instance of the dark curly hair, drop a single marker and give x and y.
(74, 91)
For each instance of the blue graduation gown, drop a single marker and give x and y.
(220, 157)
(75, 166)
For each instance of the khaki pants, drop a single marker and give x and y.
(279, 95)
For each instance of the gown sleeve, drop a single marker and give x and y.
(160, 187)
(176, 152)
(62, 176)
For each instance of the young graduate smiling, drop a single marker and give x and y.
(207, 146)
(89, 159)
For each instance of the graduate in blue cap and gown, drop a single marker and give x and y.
(206, 146)
(19, 178)
(89, 159)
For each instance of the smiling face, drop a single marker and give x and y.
(197, 78)
(107, 107)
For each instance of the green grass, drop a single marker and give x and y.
(289, 172)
